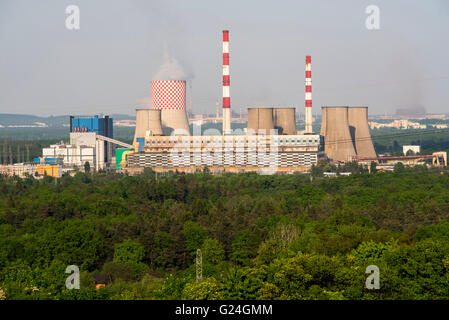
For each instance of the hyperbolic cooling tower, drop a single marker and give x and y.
(358, 126)
(323, 122)
(169, 96)
(260, 120)
(147, 120)
(284, 120)
(338, 144)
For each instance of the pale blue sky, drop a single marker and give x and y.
(107, 65)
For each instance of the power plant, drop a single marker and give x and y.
(163, 140)
(270, 143)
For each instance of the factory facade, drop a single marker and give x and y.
(88, 143)
(232, 153)
(91, 141)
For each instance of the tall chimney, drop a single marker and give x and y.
(308, 96)
(226, 80)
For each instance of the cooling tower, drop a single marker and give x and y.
(169, 96)
(147, 120)
(323, 122)
(338, 144)
(284, 120)
(260, 120)
(358, 126)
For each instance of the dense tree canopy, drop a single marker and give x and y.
(261, 236)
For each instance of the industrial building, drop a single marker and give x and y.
(231, 153)
(91, 140)
(23, 170)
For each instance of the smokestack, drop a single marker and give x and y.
(308, 96)
(169, 96)
(226, 82)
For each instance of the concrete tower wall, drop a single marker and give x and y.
(175, 122)
(155, 122)
(147, 119)
(170, 97)
(323, 122)
(284, 120)
(338, 144)
(260, 120)
(358, 126)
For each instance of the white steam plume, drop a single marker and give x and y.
(171, 68)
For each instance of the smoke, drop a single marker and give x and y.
(414, 110)
(145, 103)
(171, 68)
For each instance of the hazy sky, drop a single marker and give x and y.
(107, 65)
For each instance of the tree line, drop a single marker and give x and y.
(261, 236)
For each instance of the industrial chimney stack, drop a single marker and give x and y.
(308, 96)
(226, 81)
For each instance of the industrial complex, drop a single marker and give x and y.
(163, 141)
(271, 143)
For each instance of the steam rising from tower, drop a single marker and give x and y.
(308, 95)
(226, 82)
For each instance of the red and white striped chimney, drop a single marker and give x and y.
(308, 96)
(226, 82)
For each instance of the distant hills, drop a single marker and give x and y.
(7, 119)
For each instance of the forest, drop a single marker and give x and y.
(261, 236)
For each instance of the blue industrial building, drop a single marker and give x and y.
(101, 126)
